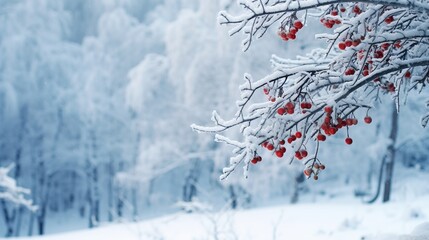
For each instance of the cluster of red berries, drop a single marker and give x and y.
(305, 106)
(330, 128)
(281, 150)
(301, 154)
(315, 169)
(348, 43)
(291, 35)
(256, 159)
(294, 137)
(329, 23)
(289, 108)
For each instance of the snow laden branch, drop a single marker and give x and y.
(259, 15)
(372, 50)
(9, 190)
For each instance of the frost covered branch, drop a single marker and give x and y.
(375, 48)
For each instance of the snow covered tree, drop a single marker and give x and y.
(374, 48)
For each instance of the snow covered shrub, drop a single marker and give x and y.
(373, 48)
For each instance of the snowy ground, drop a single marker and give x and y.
(302, 221)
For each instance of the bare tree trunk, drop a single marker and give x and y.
(110, 191)
(8, 218)
(298, 180)
(92, 180)
(134, 193)
(18, 221)
(43, 198)
(390, 160)
(189, 188)
(232, 196)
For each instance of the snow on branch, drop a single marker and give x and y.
(375, 48)
(9, 190)
(258, 16)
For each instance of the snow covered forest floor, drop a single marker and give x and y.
(335, 215)
(330, 220)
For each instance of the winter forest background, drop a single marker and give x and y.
(96, 103)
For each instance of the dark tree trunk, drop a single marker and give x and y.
(299, 179)
(233, 197)
(189, 188)
(110, 190)
(134, 196)
(390, 160)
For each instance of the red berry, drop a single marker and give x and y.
(349, 43)
(349, 141)
(349, 121)
(328, 109)
(365, 73)
(350, 71)
(266, 91)
(316, 166)
(332, 131)
(322, 167)
(298, 155)
(259, 158)
(354, 121)
(329, 25)
(342, 9)
(254, 160)
(341, 45)
(298, 134)
(307, 172)
(304, 153)
(356, 42)
(270, 146)
(385, 46)
(397, 45)
(334, 12)
(321, 137)
(289, 105)
(367, 119)
(298, 24)
(378, 54)
(291, 36)
(282, 142)
(281, 111)
(283, 149)
(391, 87)
(293, 30)
(315, 177)
(264, 144)
(289, 140)
(389, 19)
(290, 110)
(279, 153)
(407, 74)
(356, 9)
(293, 137)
